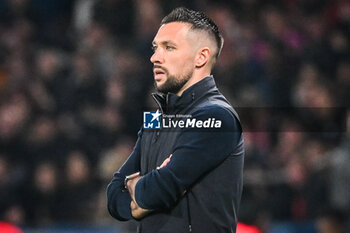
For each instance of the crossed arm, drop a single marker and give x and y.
(121, 201)
(136, 211)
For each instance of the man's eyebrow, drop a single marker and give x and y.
(165, 42)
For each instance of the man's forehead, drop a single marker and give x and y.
(171, 31)
(175, 25)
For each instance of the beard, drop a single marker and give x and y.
(173, 84)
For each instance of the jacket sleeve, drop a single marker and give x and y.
(118, 198)
(196, 152)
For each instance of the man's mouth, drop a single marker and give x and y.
(158, 73)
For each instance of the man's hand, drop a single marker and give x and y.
(165, 162)
(136, 211)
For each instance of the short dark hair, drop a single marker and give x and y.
(199, 21)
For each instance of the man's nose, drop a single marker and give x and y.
(157, 57)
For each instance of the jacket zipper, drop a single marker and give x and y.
(167, 102)
(187, 199)
(160, 106)
(189, 214)
(161, 109)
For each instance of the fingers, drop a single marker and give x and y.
(133, 206)
(165, 162)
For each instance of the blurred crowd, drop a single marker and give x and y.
(75, 77)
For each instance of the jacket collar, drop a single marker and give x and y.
(171, 103)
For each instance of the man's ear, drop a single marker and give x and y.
(202, 57)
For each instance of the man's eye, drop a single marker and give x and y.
(169, 47)
(154, 48)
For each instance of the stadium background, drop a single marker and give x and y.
(75, 77)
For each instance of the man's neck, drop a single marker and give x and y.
(193, 80)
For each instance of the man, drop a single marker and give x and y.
(185, 179)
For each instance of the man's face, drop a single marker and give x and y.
(173, 57)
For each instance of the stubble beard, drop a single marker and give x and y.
(173, 84)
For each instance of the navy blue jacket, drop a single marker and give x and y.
(206, 163)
